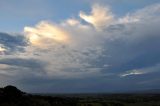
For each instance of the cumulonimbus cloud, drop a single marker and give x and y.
(73, 49)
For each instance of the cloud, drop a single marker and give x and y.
(128, 19)
(100, 17)
(142, 14)
(132, 45)
(140, 71)
(45, 33)
(10, 43)
(74, 49)
(29, 63)
(64, 48)
(132, 72)
(108, 53)
(2, 49)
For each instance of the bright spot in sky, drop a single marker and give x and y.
(2, 50)
(44, 33)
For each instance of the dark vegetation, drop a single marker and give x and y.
(11, 96)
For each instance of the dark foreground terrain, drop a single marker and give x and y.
(11, 96)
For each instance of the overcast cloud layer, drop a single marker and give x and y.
(97, 50)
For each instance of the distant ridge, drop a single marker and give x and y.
(146, 91)
(150, 91)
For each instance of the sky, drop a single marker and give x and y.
(80, 46)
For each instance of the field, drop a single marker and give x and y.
(121, 100)
(105, 99)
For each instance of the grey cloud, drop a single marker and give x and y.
(134, 45)
(12, 43)
(124, 47)
(28, 63)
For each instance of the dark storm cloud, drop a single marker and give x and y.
(12, 43)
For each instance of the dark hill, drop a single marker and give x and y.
(150, 91)
(12, 96)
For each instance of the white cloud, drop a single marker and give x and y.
(140, 71)
(132, 72)
(46, 33)
(2, 49)
(100, 16)
(72, 22)
(80, 45)
(128, 19)
(142, 15)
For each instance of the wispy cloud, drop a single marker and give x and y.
(100, 16)
(133, 72)
(140, 71)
